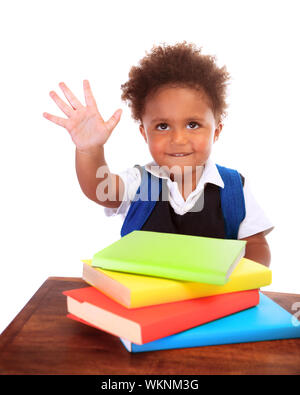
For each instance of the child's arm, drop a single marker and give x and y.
(89, 132)
(258, 249)
(107, 188)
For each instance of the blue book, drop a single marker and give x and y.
(266, 321)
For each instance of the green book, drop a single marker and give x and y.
(180, 257)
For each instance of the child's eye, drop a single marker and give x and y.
(193, 125)
(162, 126)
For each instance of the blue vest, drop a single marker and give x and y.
(232, 201)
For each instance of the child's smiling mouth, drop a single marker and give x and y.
(180, 154)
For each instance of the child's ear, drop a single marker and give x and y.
(218, 131)
(143, 133)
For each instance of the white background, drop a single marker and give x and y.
(47, 224)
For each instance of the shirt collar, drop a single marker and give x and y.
(210, 173)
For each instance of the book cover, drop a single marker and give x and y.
(134, 290)
(266, 321)
(149, 323)
(176, 256)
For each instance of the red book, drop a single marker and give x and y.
(145, 324)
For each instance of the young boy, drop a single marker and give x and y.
(178, 96)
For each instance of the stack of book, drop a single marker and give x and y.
(160, 291)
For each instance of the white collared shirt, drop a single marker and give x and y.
(254, 222)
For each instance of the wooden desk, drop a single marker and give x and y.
(41, 340)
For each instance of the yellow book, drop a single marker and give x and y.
(133, 290)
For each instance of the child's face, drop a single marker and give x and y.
(179, 121)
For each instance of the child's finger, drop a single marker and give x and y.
(113, 120)
(89, 97)
(75, 103)
(61, 104)
(59, 121)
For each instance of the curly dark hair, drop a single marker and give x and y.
(182, 64)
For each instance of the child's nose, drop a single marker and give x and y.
(179, 136)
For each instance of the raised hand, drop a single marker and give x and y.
(85, 125)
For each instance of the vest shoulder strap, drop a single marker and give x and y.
(143, 203)
(232, 201)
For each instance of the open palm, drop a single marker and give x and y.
(85, 125)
